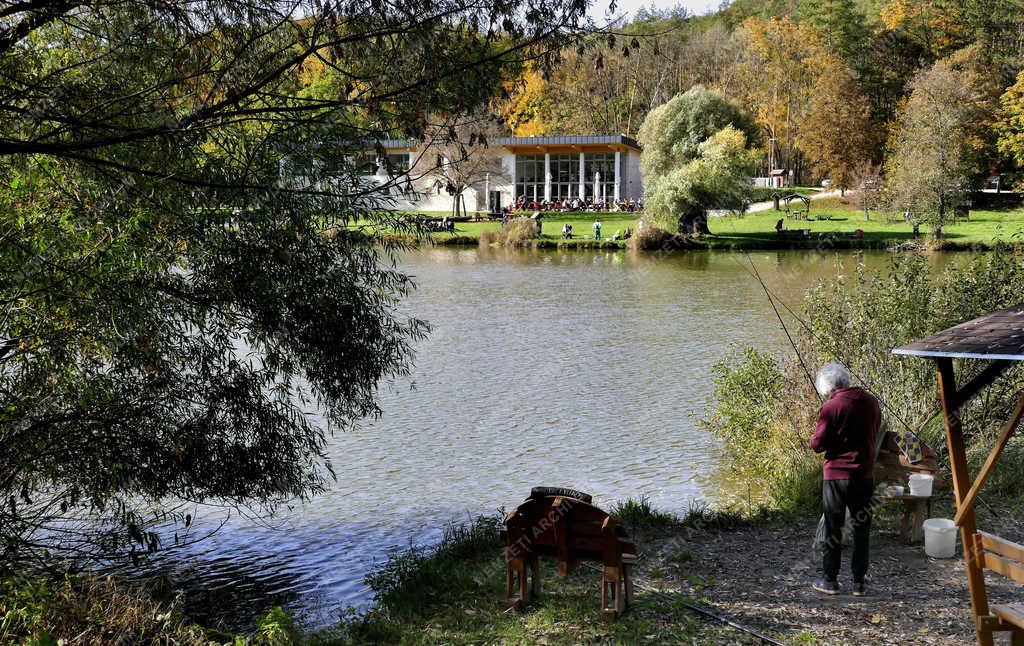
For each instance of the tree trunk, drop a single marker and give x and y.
(694, 220)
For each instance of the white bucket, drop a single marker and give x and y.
(939, 538)
(921, 484)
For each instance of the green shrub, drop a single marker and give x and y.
(514, 233)
(650, 237)
(275, 627)
(762, 437)
(764, 409)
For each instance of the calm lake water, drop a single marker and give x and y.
(580, 369)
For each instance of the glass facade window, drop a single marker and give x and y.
(601, 165)
(361, 163)
(565, 176)
(530, 177)
(399, 162)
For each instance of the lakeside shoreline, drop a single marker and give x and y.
(721, 243)
(687, 558)
(833, 223)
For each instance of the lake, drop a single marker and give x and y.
(580, 369)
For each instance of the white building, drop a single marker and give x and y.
(594, 167)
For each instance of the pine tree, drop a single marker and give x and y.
(839, 21)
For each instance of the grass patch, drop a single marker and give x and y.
(88, 610)
(841, 217)
(834, 218)
(455, 594)
(700, 516)
(638, 516)
(513, 234)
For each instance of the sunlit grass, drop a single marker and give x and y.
(985, 226)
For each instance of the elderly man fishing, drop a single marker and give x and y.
(845, 433)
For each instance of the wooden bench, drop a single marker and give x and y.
(891, 466)
(1006, 558)
(567, 527)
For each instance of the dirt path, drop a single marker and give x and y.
(764, 206)
(761, 577)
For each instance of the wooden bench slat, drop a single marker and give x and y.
(1002, 565)
(1001, 546)
(1010, 613)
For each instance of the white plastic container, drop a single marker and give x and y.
(921, 484)
(939, 538)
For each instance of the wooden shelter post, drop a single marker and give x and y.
(961, 485)
(996, 337)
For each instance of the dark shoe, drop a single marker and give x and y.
(825, 586)
(859, 589)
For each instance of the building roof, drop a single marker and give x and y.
(394, 143)
(998, 335)
(567, 140)
(558, 140)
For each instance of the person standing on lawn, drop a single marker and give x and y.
(597, 229)
(845, 433)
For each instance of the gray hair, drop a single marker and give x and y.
(832, 377)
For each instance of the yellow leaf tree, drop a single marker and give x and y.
(775, 75)
(837, 135)
(1011, 121)
(524, 111)
(938, 25)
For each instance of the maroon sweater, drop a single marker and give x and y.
(846, 432)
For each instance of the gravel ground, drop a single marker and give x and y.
(761, 578)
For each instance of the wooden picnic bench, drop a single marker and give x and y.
(1006, 558)
(891, 466)
(561, 523)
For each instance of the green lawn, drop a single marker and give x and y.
(983, 226)
(838, 218)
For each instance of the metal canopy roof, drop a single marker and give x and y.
(567, 140)
(998, 335)
(561, 140)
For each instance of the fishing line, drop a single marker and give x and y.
(772, 298)
(785, 329)
(702, 610)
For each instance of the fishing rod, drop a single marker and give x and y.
(771, 299)
(785, 329)
(699, 609)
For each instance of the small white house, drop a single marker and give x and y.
(592, 168)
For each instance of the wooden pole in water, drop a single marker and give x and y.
(961, 485)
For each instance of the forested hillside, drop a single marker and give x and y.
(831, 81)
